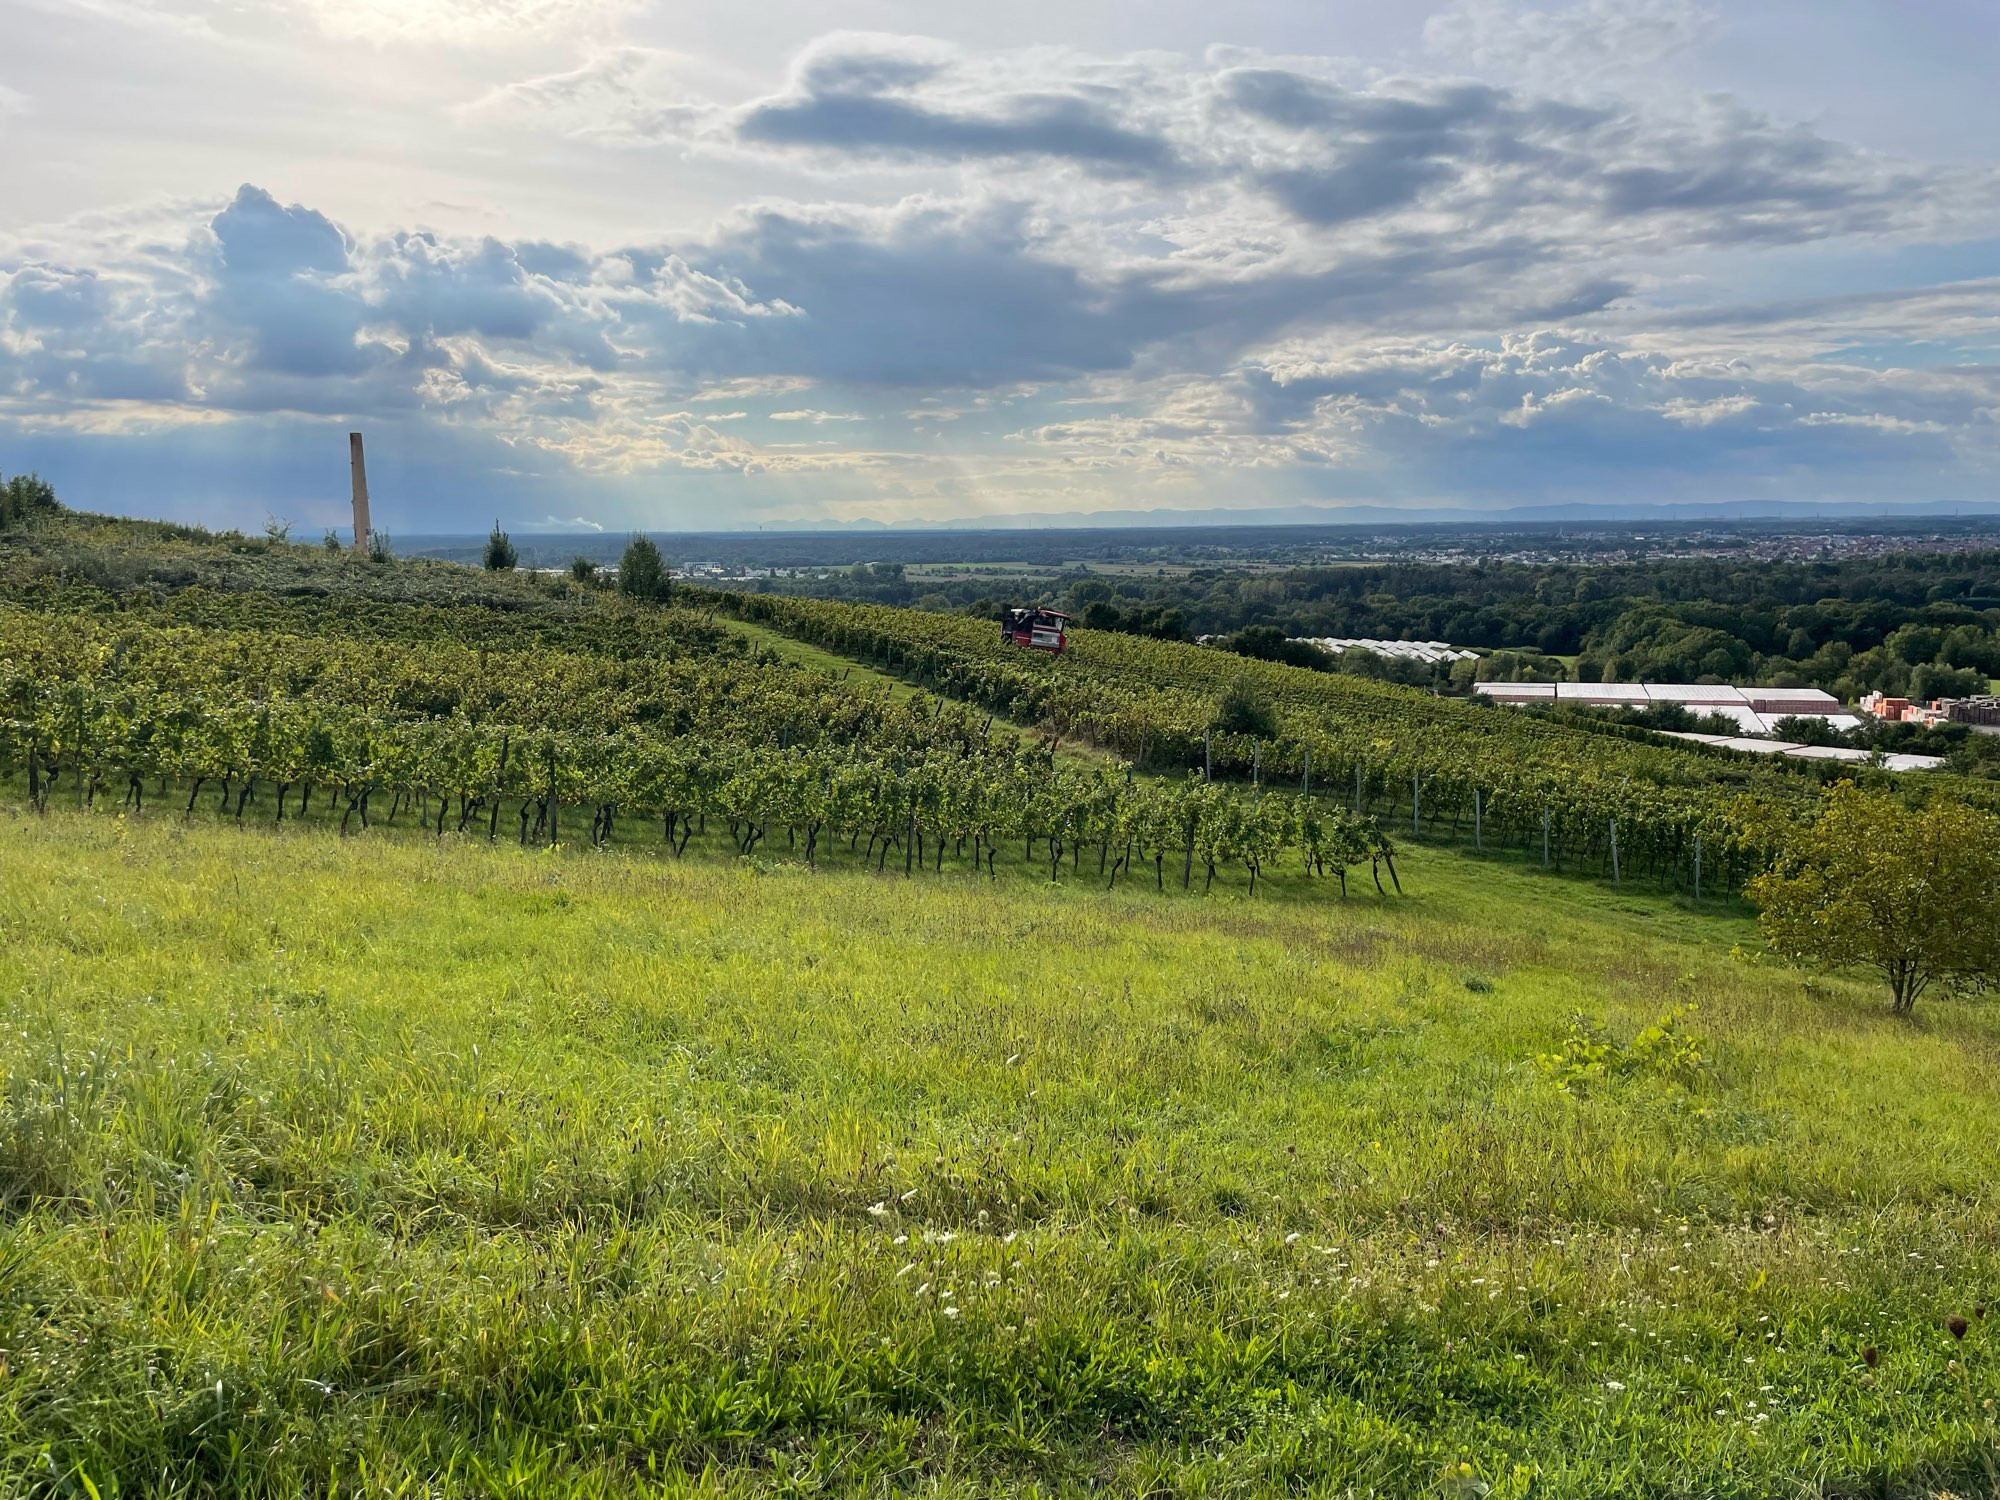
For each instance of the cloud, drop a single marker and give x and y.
(910, 99)
(1045, 276)
(1585, 44)
(1236, 156)
(1563, 413)
(461, 22)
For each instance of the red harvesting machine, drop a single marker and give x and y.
(1036, 629)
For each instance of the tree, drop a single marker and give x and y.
(330, 542)
(1244, 708)
(1868, 882)
(379, 548)
(1269, 643)
(24, 497)
(1806, 729)
(499, 555)
(582, 569)
(642, 572)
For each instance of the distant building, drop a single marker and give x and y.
(1890, 762)
(1427, 651)
(1888, 710)
(1980, 712)
(1755, 710)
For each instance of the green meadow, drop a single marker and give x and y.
(393, 1165)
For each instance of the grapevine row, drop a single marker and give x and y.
(128, 710)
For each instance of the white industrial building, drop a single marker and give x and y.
(1890, 762)
(1755, 710)
(1410, 650)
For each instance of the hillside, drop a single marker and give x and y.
(468, 1034)
(330, 1158)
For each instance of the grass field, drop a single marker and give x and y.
(389, 1166)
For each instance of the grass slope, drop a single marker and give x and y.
(460, 1169)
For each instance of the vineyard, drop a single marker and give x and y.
(870, 1112)
(158, 668)
(1606, 799)
(603, 719)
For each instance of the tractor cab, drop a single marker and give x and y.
(1036, 629)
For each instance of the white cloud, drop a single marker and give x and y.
(1046, 276)
(462, 22)
(1582, 45)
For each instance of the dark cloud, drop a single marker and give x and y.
(860, 99)
(275, 274)
(260, 237)
(1029, 126)
(926, 298)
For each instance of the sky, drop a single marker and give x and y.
(611, 264)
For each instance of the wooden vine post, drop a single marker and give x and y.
(552, 794)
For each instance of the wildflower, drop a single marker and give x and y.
(1292, 1238)
(1614, 1385)
(879, 1210)
(951, 1312)
(1956, 1325)
(1870, 1356)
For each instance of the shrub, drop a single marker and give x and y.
(1665, 1050)
(642, 572)
(26, 497)
(499, 555)
(1244, 708)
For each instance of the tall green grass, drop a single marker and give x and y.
(387, 1166)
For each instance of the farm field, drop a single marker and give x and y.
(409, 1165)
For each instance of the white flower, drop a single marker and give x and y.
(880, 1210)
(1614, 1385)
